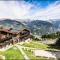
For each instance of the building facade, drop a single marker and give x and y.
(7, 37)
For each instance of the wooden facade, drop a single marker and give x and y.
(8, 37)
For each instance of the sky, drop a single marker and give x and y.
(30, 9)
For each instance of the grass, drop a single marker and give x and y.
(33, 57)
(39, 45)
(34, 44)
(12, 54)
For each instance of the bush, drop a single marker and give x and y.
(58, 42)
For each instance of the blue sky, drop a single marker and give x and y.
(42, 3)
(30, 9)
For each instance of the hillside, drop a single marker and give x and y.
(37, 27)
(8, 23)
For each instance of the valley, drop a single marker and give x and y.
(27, 38)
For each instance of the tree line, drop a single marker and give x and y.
(52, 35)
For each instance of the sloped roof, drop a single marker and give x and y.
(8, 31)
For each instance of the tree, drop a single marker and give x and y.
(58, 42)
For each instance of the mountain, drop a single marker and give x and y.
(39, 27)
(56, 22)
(8, 23)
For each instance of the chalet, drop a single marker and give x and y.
(7, 36)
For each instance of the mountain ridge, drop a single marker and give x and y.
(37, 27)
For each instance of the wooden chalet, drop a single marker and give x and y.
(7, 36)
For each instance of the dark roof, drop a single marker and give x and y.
(12, 32)
(8, 31)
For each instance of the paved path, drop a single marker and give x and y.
(49, 41)
(23, 53)
(55, 52)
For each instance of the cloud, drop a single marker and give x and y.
(14, 9)
(51, 12)
(24, 10)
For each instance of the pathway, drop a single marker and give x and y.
(23, 53)
(49, 41)
(54, 53)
